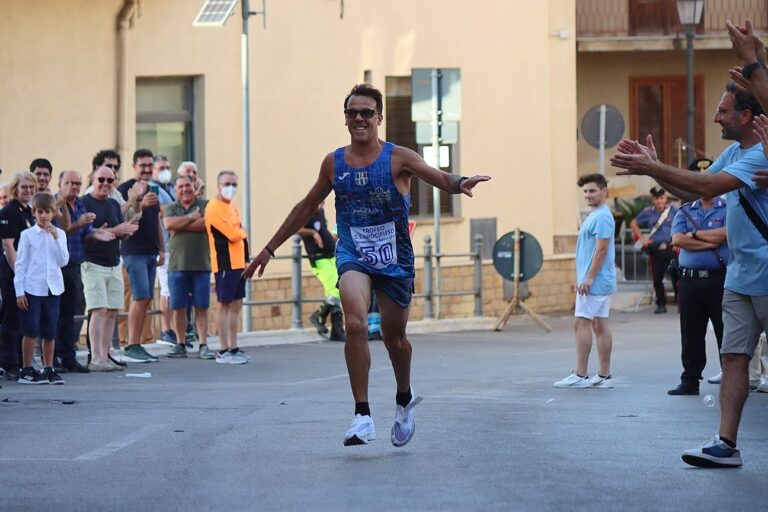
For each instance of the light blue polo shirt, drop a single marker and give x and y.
(598, 224)
(748, 269)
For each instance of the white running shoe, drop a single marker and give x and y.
(224, 358)
(238, 358)
(361, 431)
(404, 426)
(716, 379)
(597, 381)
(573, 381)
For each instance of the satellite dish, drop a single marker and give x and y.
(614, 126)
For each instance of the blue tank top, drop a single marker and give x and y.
(372, 217)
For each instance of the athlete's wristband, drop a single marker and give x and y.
(270, 251)
(461, 180)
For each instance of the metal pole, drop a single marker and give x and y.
(478, 275)
(435, 190)
(245, 4)
(428, 297)
(601, 156)
(296, 283)
(691, 135)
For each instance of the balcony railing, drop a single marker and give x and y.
(637, 18)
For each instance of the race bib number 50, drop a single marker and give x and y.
(376, 245)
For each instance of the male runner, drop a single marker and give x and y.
(372, 180)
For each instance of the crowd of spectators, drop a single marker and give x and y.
(84, 254)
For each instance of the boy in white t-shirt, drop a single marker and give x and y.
(39, 283)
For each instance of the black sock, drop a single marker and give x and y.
(403, 399)
(362, 408)
(728, 442)
(234, 350)
(222, 351)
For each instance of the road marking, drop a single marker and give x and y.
(550, 400)
(115, 446)
(330, 377)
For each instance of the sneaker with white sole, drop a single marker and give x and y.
(242, 353)
(134, 354)
(361, 431)
(238, 358)
(716, 379)
(167, 338)
(206, 353)
(574, 381)
(714, 454)
(405, 425)
(598, 381)
(223, 357)
(763, 387)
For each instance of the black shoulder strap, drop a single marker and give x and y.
(753, 216)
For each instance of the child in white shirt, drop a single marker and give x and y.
(39, 283)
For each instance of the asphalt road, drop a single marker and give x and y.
(492, 432)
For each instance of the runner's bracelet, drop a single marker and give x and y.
(270, 251)
(461, 180)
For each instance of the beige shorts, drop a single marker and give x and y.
(103, 286)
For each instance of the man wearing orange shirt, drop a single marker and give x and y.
(229, 253)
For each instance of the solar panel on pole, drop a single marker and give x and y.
(214, 13)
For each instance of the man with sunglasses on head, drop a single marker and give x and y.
(371, 179)
(143, 252)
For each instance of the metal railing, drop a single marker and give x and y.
(633, 18)
(634, 264)
(429, 295)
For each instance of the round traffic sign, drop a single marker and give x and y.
(614, 126)
(531, 256)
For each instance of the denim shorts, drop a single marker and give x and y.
(230, 286)
(41, 318)
(186, 286)
(400, 290)
(141, 270)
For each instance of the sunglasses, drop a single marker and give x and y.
(114, 167)
(229, 185)
(102, 179)
(366, 113)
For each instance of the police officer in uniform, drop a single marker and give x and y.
(698, 229)
(658, 243)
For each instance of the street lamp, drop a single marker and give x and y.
(689, 13)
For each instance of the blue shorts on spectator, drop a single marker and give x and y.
(141, 269)
(41, 318)
(186, 286)
(230, 286)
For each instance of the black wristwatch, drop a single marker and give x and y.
(747, 70)
(693, 234)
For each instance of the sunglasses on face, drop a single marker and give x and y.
(114, 167)
(229, 185)
(366, 113)
(102, 179)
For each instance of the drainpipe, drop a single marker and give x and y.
(125, 20)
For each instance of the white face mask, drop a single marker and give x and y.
(228, 192)
(164, 176)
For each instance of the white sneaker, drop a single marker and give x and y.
(404, 426)
(716, 379)
(361, 431)
(224, 358)
(597, 381)
(763, 387)
(238, 358)
(573, 381)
